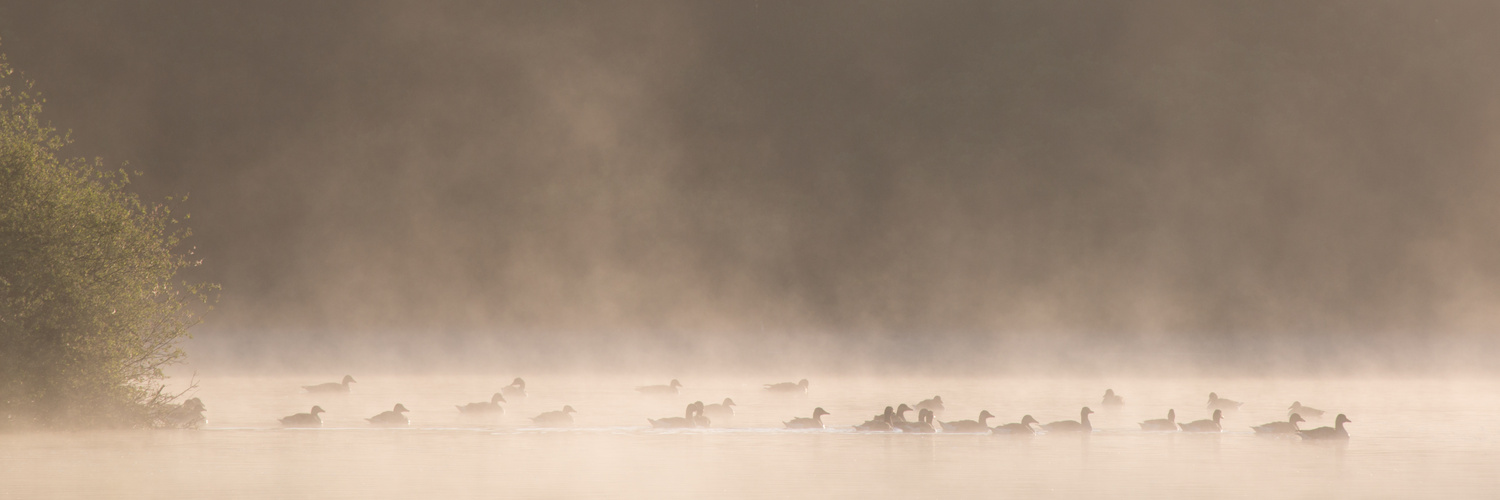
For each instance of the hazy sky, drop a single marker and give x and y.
(968, 170)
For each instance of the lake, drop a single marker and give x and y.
(1409, 438)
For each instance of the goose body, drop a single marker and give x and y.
(881, 422)
(686, 421)
(1305, 411)
(1217, 403)
(1287, 427)
(483, 408)
(188, 415)
(788, 388)
(720, 411)
(560, 418)
(393, 418)
(516, 390)
(1080, 425)
(816, 422)
(1162, 424)
(1022, 427)
(969, 426)
(923, 425)
(670, 388)
(1211, 425)
(935, 404)
(1335, 432)
(309, 419)
(331, 387)
(1112, 399)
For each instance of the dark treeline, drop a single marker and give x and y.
(1246, 175)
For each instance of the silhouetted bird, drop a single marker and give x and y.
(1080, 425)
(1161, 424)
(484, 408)
(331, 387)
(391, 418)
(1211, 425)
(789, 388)
(670, 388)
(1287, 427)
(816, 422)
(309, 419)
(1335, 432)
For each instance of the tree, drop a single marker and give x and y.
(90, 313)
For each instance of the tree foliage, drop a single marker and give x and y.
(90, 313)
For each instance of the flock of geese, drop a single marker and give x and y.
(893, 419)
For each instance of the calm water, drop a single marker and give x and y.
(1411, 438)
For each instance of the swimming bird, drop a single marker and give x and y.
(391, 418)
(309, 419)
(1161, 424)
(899, 420)
(1217, 403)
(683, 422)
(560, 418)
(1306, 411)
(516, 389)
(789, 388)
(881, 422)
(1080, 425)
(1110, 399)
(1335, 432)
(969, 426)
(816, 422)
(1022, 427)
(1205, 425)
(923, 425)
(188, 415)
(331, 387)
(483, 408)
(1287, 427)
(670, 388)
(935, 404)
(720, 411)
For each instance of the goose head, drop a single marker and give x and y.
(1085, 412)
(904, 408)
(1342, 419)
(925, 415)
(889, 412)
(568, 409)
(819, 411)
(1109, 392)
(518, 383)
(1295, 405)
(399, 408)
(348, 379)
(985, 414)
(728, 402)
(317, 409)
(802, 383)
(1296, 417)
(937, 399)
(497, 398)
(675, 384)
(1218, 415)
(1028, 420)
(1171, 415)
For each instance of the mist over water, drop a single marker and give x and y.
(1014, 205)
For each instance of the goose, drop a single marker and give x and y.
(560, 418)
(331, 387)
(969, 426)
(1217, 403)
(483, 408)
(881, 422)
(720, 411)
(1304, 410)
(1111, 399)
(816, 422)
(789, 388)
(683, 422)
(516, 389)
(1287, 427)
(935, 404)
(1162, 424)
(391, 418)
(1335, 432)
(923, 425)
(1080, 425)
(188, 415)
(670, 388)
(1205, 425)
(899, 420)
(309, 419)
(1022, 427)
